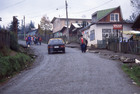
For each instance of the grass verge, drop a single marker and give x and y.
(10, 65)
(133, 71)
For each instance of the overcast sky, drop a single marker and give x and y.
(35, 9)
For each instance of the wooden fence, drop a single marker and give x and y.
(132, 47)
(4, 39)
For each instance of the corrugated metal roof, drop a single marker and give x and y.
(76, 25)
(103, 13)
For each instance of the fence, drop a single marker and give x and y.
(101, 44)
(4, 39)
(132, 47)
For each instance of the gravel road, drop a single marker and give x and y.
(71, 73)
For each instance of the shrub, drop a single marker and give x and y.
(11, 64)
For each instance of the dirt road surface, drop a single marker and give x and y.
(71, 73)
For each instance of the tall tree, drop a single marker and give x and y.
(45, 27)
(14, 25)
(32, 25)
(29, 27)
(45, 23)
(136, 9)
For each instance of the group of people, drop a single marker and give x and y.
(33, 40)
(83, 44)
(37, 40)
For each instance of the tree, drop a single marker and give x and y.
(45, 23)
(14, 25)
(136, 9)
(29, 27)
(32, 25)
(45, 27)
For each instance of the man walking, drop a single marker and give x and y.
(40, 40)
(83, 44)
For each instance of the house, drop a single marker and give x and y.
(33, 32)
(63, 31)
(74, 28)
(105, 24)
(136, 26)
(60, 23)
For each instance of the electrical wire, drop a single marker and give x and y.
(15, 4)
(93, 8)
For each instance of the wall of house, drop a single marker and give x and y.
(127, 27)
(98, 31)
(58, 24)
(65, 32)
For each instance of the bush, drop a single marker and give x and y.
(11, 64)
(13, 42)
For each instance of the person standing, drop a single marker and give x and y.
(32, 39)
(26, 39)
(86, 45)
(83, 44)
(40, 40)
(29, 41)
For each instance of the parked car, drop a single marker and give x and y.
(56, 45)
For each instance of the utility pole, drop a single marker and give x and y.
(67, 20)
(0, 19)
(15, 25)
(24, 26)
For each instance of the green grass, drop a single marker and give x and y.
(9, 65)
(133, 71)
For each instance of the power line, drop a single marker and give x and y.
(93, 8)
(15, 4)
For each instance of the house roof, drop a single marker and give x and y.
(102, 13)
(64, 28)
(76, 25)
(33, 32)
(123, 22)
(68, 19)
(85, 28)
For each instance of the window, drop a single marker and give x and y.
(114, 17)
(106, 33)
(92, 35)
(117, 33)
